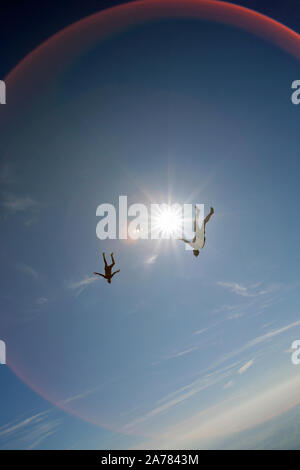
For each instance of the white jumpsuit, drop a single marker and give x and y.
(198, 241)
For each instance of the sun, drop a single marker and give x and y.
(168, 221)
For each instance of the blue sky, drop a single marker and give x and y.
(178, 352)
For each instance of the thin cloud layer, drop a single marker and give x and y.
(81, 285)
(28, 270)
(29, 432)
(151, 259)
(253, 290)
(229, 417)
(246, 366)
(15, 203)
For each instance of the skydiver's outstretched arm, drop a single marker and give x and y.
(103, 254)
(115, 273)
(99, 274)
(183, 240)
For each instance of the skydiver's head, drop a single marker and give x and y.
(109, 281)
(196, 253)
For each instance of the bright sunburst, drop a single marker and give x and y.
(168, 221)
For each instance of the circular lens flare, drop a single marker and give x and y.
(49, 61)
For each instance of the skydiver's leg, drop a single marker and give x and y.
(196, 219)
(209, 215)
(205, 222)
(197, 229)
(103, 254)
(113, 260)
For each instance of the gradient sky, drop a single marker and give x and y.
(178, 352)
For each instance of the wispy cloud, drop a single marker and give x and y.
(273, 333)
(81, 395)
(15, 203)
(85, 393)
(208, 422)
(29, 270)
(28, 432)
(236, 315)
(200, 332)
(41, 300)
(151, 259)
(183, 353)
(228, 385)
(79, 286)
(211, 378)
(228, 417)
(246, 366)
(257, 341)
(181, 395)
(175, 355)
(252, 290)
(235, 287)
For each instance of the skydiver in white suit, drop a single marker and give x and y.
(198, 241)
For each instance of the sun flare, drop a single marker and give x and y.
(168, 221)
